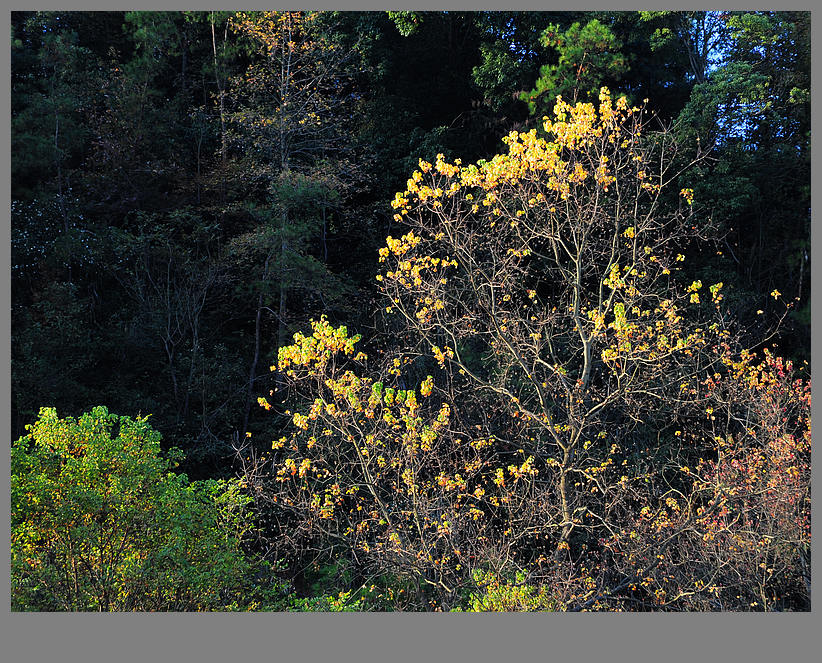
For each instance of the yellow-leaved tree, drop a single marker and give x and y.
(546, 353)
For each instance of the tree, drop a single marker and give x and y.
(190, 188)
(50, 72)
(167, 267)
(754, 108)
(540, 289)
(702, 35)
(99, 522)
(544, 284)
(554, 264)
(589, 57)
(742, 507)
(290, 117)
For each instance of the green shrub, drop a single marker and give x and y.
(496, 593)
(100, 522)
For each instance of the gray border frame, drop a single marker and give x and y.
(45, 637)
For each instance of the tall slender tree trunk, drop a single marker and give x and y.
(285, 90)
(58, 162)
(282, 312)
(325, 236)
(222, 112)
(252, 371)
(184, 65)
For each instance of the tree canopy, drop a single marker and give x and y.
(534, 289)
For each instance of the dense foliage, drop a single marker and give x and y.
(99, 522)
(580, 376)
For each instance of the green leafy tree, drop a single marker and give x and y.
(754, 109)
(100, 522)
(589, 57)
(50, 73)
(510, 53)
(701, 36)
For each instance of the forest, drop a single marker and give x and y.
(410, 311)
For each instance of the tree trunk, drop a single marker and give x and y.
(252, 372)
(222, 111)
(282, 330)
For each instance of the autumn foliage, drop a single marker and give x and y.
(558, 409)
(438, 310)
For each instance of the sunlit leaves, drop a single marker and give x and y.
(99, 522)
